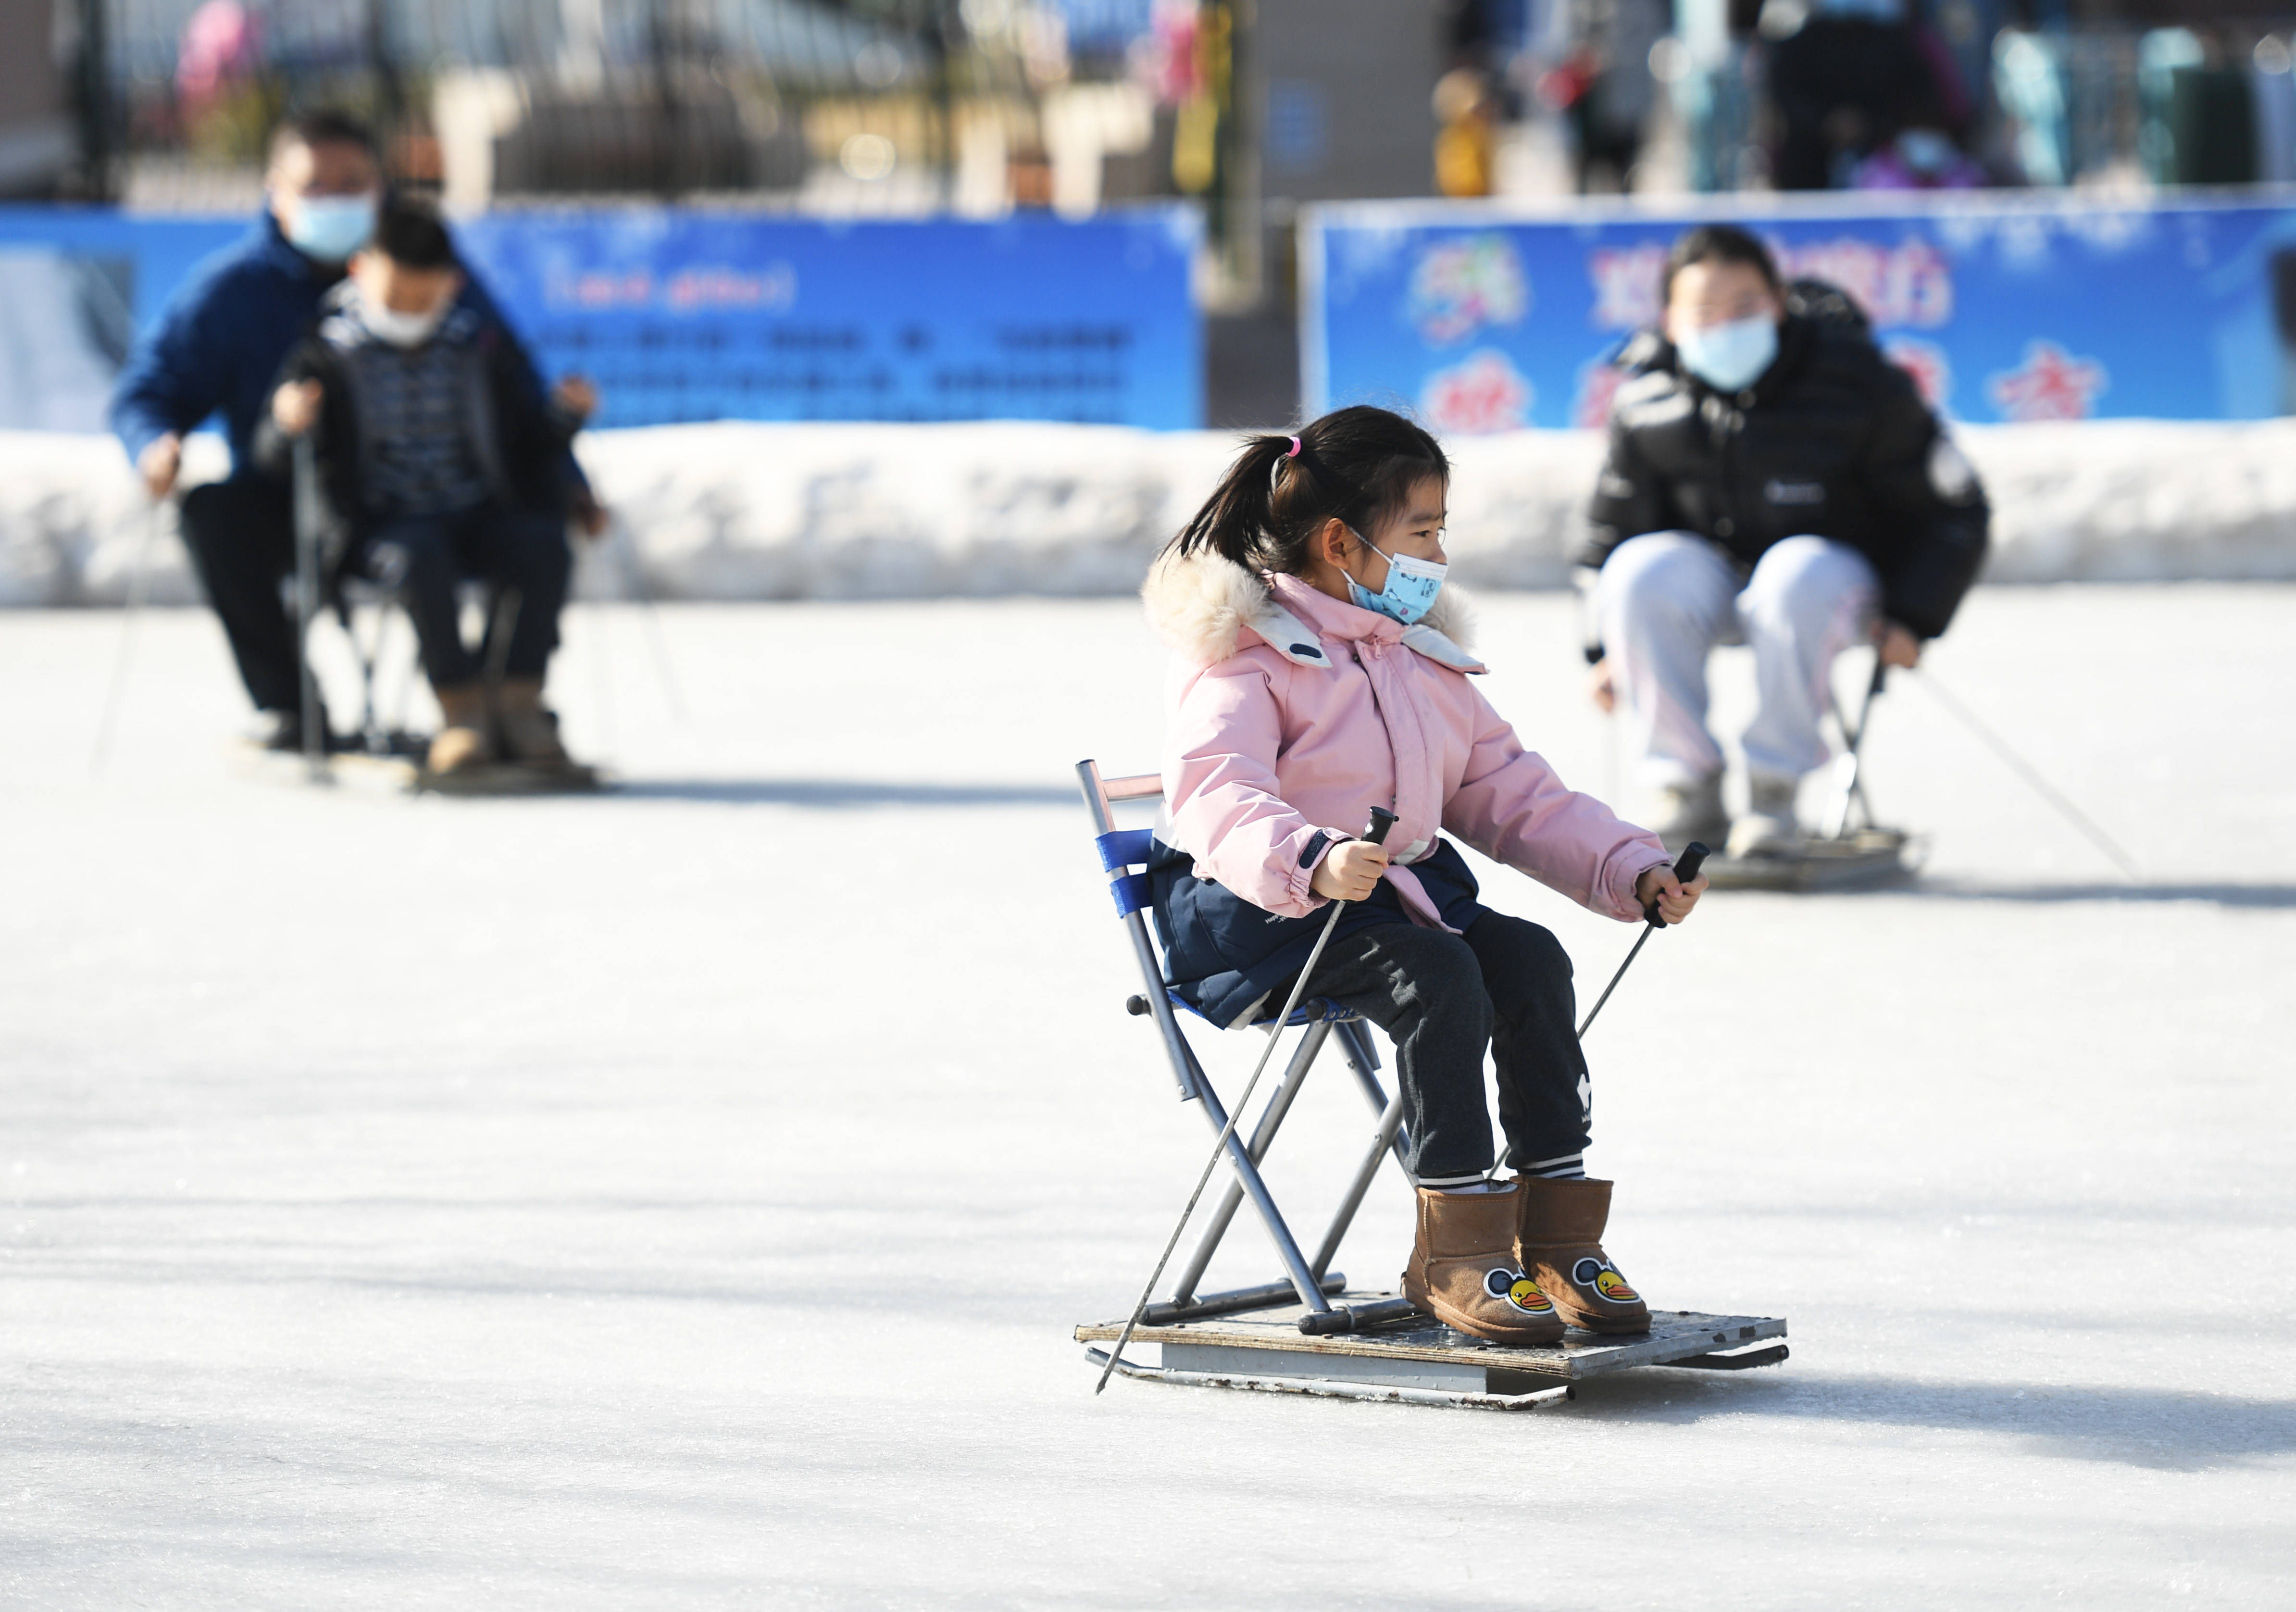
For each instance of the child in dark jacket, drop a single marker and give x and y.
(442, 459)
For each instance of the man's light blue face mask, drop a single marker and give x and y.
(1732, 357)
(1412, 585)
(331, 228)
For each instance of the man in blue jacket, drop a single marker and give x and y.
(218, 348)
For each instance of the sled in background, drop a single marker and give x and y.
(1850, 851)
(390, 756)
(1310, 1332)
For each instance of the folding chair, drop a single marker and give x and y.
(1307, 1333)
(1311, 1281)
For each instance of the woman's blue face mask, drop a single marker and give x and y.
(1412, 585)
(1732, 357)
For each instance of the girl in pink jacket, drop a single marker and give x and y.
(1318, 671)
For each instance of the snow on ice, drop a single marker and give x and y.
(852, 512)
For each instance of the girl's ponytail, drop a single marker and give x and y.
(1235, 519)
(1357, 463)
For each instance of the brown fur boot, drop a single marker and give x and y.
(1462, 1269)
(529, 729)
(1560, 1245)
(463, 743)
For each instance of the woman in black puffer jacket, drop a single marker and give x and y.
(1773, 480)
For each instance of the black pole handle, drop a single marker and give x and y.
(1382, 820)
(1685, 869)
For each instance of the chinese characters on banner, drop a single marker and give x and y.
(2009, 308)
(687, 316)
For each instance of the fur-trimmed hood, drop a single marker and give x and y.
(1200, 605)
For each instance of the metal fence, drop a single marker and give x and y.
(870, 104)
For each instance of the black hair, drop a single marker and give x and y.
(412, 235)
(1358, 464)
(324, 125)
(1718, 244)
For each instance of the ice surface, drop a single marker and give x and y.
(682, 1197)
(738, 511)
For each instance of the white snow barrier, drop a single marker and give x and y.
(740, 510)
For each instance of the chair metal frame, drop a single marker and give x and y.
(1311, 1281)
(319, 539)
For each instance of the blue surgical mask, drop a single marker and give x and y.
(1732, 357)
(1412, 585)
(331, 228)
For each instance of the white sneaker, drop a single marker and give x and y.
(1769, 829)
(1689, 811)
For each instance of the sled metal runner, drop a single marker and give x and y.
(1309, 1332)
(1419, 1360)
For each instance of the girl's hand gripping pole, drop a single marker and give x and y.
(1685, 869)
(1375, 832)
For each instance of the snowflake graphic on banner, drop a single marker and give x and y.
(1483, 392)
(2051, 385)
(1458, 288)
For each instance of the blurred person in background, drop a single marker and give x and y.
(1466, 140)
(1774, 481)
(1923, 155)
(1605, 88)
(437, 453)
(216, 349)
(1844, 75)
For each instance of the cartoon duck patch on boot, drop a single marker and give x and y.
(1520, 1291)
(1604, 1280)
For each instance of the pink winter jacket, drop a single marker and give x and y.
(1291, 711)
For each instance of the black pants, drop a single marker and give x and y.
(242, 537)
(1442, 998)
(517, 550)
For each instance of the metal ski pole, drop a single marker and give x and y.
(1382, 820)
(2041, 787)
(310, 516)
(1693, 858)
(633, 562)
(1851, 790)
(138, 580)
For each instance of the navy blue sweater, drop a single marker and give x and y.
(220, 342)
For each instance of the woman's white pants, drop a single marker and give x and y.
(1664, 600)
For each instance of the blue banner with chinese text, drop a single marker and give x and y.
(683, 315)
(2023, 307)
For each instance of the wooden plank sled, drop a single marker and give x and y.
(1419, 1360)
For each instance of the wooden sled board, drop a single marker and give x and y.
(1422, 1352)
(1862, 860)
